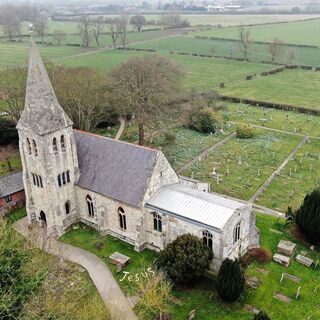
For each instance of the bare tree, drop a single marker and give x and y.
(84, 31)
(114, 31)
(172, 19)
(12, 91)
(40, 25)
(10, 22)
(138, 21)
(58, 36)
(276, 49)
(244, 35)
(81, 92)
(97, 27)
(144, 85)
(123, 29)
(291, 55)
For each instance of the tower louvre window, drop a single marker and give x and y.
(37, 180)
(62, 144)
(59, 180)
(64, 178)
(35, 148)
(54, 145)
(29, 146)
(68, 176)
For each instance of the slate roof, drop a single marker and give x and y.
(206, 209)
(115, 169)
(42, 112)
(11, 183)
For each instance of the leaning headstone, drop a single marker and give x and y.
(304, 260)
(316, 265)
(286, 247)
(192, 315)
(298, 293)
(251, 309)
(284, 260)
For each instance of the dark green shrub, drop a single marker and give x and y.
(205, 120)
(244, 131)
(8, 132)
(185, 259)
(261, 316)
(308, 216)
(231, 280)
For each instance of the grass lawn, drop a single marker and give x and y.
(302, 32)
(275, 119)
(249, 163)
(258, 52)
(298, 178)
(296, 87)
(198, 297)
(89, 239)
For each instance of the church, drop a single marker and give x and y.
(127, 191)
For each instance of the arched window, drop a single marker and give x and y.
(34, 179)
(29, 146)
(68, 176)
(157, 222)
(67, 207)
(62, 144)
(63, 178)
(35, 148)
(59, 180)
(122, 219)
(37, 179)
(40, 181)
(207, 239)
(54, 145)
(237, 232)
(90, 206)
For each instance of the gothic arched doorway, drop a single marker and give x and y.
(43, 217)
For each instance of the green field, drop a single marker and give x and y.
(244, 164)
(298, 178)
(258, 52)
(290, 121)
(296, 87)
(200, 73)
(302, 32)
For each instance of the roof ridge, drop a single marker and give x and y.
(10, 174)
(120, 141)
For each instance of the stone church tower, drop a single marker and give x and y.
(48, 152)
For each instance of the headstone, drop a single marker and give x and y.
(291, 277)
(316, 265)
(304, 260)
(298, 293)
(284, 260)
(286, 247)
(252, 282)
(282, 297)
(192, 315)
(263, 271)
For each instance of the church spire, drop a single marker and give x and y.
(42, 112)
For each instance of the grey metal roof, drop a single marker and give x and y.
(199, 207)
(42, 112)
(11, 183)
(116, 169)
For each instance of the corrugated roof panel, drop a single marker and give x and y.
(204, 208)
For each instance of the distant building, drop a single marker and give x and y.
(121, 189)
(11, 192)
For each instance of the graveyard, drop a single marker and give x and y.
(203, 297)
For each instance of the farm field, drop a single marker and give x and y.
(296, 87)
(198, 297)
(200, 73)
(302, 32)
(298, 178)
(258, 52)
(244, 164)
(290, 121)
